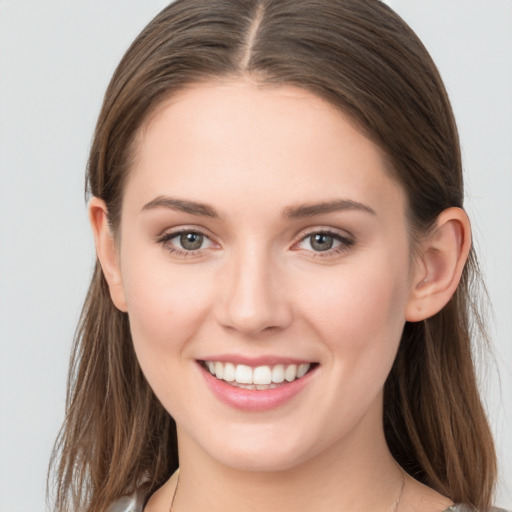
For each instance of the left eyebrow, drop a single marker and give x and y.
(309, 210)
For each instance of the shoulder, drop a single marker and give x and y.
(144, 499)
(130, 503)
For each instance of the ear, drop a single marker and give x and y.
(439, 265)
(107, 251)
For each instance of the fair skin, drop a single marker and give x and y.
(259, 226)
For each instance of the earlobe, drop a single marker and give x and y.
(107, 251)
(439, 266)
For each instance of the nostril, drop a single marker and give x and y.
(250, 299)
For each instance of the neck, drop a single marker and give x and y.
(357, 475)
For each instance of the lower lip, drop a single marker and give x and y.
(251, 399)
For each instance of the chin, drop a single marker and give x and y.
(274, 451)
(255, 461)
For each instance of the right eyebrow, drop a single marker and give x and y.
(181, 205)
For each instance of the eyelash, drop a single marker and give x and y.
(344, 243)
(166, 238)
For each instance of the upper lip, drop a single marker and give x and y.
(264, 360)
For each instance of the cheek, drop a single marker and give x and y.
(359, 312)
(165, 312)
(360, 322)
(165, 304)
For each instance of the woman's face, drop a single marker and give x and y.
(261, 237)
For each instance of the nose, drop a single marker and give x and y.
(252, 299)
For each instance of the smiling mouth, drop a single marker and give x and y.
(259, 377)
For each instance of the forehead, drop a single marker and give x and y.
(237, 137)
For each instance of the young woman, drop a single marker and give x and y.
(282, 301)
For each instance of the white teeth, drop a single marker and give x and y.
(302, 370)
(229, 372)
(278, 373)
(261, 377)
(290, 374)
(219, 370)
(243, 374)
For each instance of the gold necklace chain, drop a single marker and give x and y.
(176, 490)
(397, 502)
(395, 508)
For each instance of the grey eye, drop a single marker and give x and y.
(191, 241)
(321, 241)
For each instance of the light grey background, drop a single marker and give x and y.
(56, 58)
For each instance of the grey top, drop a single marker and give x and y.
(465, 508)
(135, 503)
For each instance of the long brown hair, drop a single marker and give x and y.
(361, 57)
